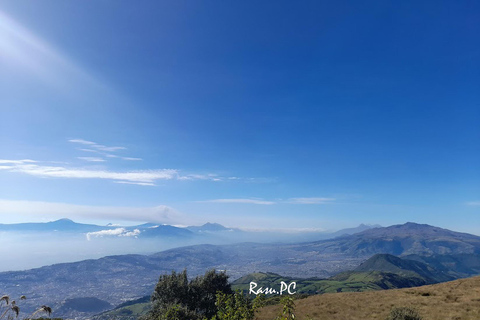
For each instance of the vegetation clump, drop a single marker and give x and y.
(404, 313)
(177, 298)
(10, 308)
(237, 306)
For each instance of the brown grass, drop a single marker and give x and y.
(454, 300)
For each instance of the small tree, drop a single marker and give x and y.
(176, 296)
(236, 306)
(203, 292)
(288, 310)
(171, 289)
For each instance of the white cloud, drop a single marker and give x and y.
(310, 200)
(268, 202)
(56, 210)
(101, 233)
(2, 161)
(92, 159)
(248, 201)
(211, 177)
(147, 177)
(118, 232)
(131, 159)
(81, 141)
(138, 177)
(88, 150)
(108, 149)
(137, 183)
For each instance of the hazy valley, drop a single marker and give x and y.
(427, 255)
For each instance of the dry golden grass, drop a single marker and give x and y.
(454, 300)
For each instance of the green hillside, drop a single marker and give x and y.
(129, 312)
(351, 281)
(404, 267)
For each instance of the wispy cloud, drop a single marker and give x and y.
(248, 201)
(473, 203)
(88, 150)
(137, 183)
(131, 159)
(146, 176)
(313, 200)
(138, 177)
(92, 159)
(3, 161)
(81, 141)
(210, 176)
(316, 200)
(108, 149)
(55, 210)
(102, 150)
(96, 146)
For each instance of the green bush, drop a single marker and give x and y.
(177, 298)
(237, 306)
(288, 310)
(404, 313)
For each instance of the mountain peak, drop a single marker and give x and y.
(416, 225)
(213, 226)
(209, 227)
(63, 220)
(409, 228)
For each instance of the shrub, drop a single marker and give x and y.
(288, 310)
(404, 313)
(181, 299)
(237, 306)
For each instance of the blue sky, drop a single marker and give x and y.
(315, 115)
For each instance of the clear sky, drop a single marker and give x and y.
(254, 114)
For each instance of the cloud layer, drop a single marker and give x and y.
(314, 200)
(249, 201)
(55, 210)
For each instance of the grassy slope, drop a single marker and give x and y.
(454, 300)
(344, 282)
(128, 312)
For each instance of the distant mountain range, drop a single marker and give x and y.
(69, 226)
(405, 239)
(77, 241)
(62, 225)
(154, 230)
(115, 279)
